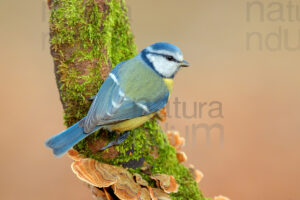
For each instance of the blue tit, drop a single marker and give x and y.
(132, 93)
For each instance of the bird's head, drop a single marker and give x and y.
(164, 58)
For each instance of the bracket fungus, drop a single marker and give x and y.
(145, 195)
(126, 188)
(175, 140)
(124, 185)
(166, 182)
(94, 173)
(139, 180)
(100, 194)
(104, 175)
(220, 197)
(197, 174)
(157, 194)
(181, 156)
(74, 155)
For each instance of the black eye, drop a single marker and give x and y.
(170, 58)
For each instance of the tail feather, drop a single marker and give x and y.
(65, 140)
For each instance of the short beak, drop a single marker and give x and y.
(184, 64)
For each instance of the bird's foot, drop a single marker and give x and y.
(118, 141)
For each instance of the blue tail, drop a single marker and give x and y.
(65, 140)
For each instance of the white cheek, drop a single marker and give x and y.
(164, 67)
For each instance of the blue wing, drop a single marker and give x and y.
(115, 100)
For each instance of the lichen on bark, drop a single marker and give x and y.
(88, 38)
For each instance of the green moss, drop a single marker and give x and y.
(84, 41)
(165, 163)
(83, 49)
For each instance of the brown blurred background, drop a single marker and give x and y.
(258, 89)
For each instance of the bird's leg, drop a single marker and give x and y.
(117, 141)
(122, 137)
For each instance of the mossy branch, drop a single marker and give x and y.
(88, 38)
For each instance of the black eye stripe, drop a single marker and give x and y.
(166, 56)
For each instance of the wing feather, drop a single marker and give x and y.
(115, 100)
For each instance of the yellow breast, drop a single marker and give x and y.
(169, 83)
(130, 123)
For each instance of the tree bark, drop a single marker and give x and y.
(88, 38)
